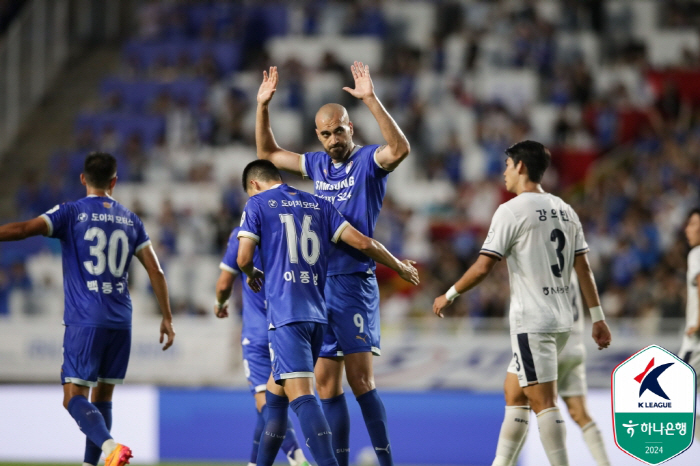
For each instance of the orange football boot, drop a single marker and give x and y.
(120, 456)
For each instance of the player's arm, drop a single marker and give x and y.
(390, 155)
(376, 250)
(246, 253)
(147, 257)
(223, 292)
(601, 332)
(695, 328)
(472, 277)
(264, 139)
(21, 230)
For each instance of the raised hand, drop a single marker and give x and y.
(268, 86)
(409, 272)
(364, 87)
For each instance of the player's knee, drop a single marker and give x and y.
(579, 414)
(361, 383)
(516, 399)
(329, 386)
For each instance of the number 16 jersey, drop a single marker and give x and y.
(539, 235)
(98, 237)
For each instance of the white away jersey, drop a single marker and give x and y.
(539, 235)
(691, 307)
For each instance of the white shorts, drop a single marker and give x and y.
(690, 353)
(535, 356)
(572, 371)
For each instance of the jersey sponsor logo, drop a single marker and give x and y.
(346, 183)
(82, 217)
(302, 204)
(109, 218)
(364, 339)
(272, 203)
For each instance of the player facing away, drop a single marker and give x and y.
(690, 348)
(98, 237)
(571, 382)
(295, 231)
(542, 240)
(255, 344)
(354, 179)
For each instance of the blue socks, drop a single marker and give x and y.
(274, 430)
(316, 430)
(258, 433)
(89, 419)
(290, 444)
(92, 451)
(336, 412)
(375, 419)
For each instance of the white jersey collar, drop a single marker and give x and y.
(352, 154)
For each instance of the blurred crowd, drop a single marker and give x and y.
(623, 127)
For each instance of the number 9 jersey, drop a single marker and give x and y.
(98, 237)
(539, 235)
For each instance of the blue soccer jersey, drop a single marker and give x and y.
(356, 188)
(294, 231)
(98, 237)
(254, 310)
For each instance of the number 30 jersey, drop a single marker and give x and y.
(98, 237)
(294, 231)
(539, 235)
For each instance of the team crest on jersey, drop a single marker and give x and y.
(349, 166)
(82, 217)
(272, 203)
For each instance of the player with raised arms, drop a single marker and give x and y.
(542, 240)
(98, 237)
(294, 231)
(690, 347)
(354, 179)
(571, 382)
(255, 344)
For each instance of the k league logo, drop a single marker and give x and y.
(653, 401)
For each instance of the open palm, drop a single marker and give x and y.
(268, 86)
(363, 81)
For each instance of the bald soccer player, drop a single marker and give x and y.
(353, 178)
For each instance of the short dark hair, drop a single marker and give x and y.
(696, 210)
(261, 170)
(534, 155)
(100, 169)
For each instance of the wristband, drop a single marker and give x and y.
(452, 294)
(597, 314)
(218, 304)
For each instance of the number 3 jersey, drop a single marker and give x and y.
(98, 237)
(294, 231)
(539, 235)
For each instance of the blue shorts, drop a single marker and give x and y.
(257, 365)
(92, 354)
(353, 315)
(294, 348)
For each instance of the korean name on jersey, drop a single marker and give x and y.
(539, 235)
(98, 237)
(294, 231)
